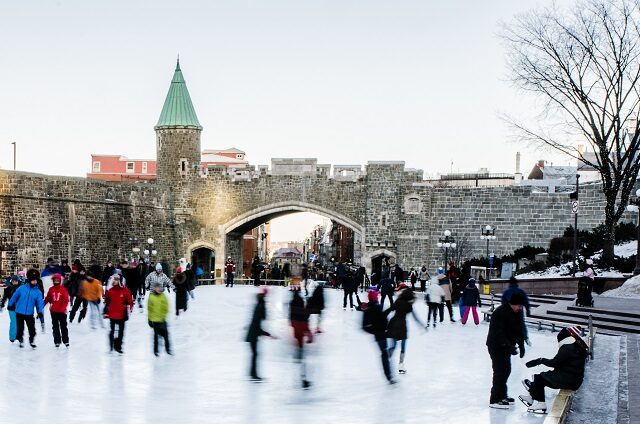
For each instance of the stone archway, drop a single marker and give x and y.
(203, 254)
(231, 231)
(369, 258)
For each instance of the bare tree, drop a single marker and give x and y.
(585, 65)
(462, 250)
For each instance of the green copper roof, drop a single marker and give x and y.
(178, 111)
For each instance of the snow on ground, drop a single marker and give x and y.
(630, 288)
(623, 250)
(448, 377)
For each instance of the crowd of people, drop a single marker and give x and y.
(105, 293)
(507, 333)
(111, 293)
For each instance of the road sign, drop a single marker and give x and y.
(574, 206)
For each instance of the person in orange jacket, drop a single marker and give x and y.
(58, 298)
(118, 304)
(91, 291)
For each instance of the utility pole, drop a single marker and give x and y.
(574, 208)
(14, 155)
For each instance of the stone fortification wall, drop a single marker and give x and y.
(521, 215)
(61, 217)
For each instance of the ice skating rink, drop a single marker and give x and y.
(448, 371)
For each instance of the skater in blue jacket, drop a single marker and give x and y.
(8, 292)
(25, 298)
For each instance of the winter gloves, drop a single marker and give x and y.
(534, 363)
(514, 350)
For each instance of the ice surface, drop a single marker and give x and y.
(448, 371)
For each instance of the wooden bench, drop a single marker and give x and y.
(560, 408)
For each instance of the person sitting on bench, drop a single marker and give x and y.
(568, 369)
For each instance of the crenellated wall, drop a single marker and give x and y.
(392, 208)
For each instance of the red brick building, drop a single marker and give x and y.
(121, 168)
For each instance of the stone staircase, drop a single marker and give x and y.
(610, 315)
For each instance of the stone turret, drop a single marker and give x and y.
(178, 136)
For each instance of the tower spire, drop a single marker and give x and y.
(178, 111)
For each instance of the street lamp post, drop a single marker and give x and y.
(133, 241)
(634, 206)
(445, 243)
(149, 250)
(487, 233)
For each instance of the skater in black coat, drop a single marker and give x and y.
(349, 286)
(505, 333)
(315, 304)
(374, 322)
(180, 288)
(255, 331)
(397, 330)
(568, 369)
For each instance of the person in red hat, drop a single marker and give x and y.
(58, 298)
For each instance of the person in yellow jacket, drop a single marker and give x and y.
(158, 308)
(91, 290)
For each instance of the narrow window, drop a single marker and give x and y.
(144, 167)
(130, 167)
(96, 166)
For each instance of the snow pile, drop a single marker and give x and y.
(630, 288)
(622, 250)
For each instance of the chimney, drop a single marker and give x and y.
(517, 178)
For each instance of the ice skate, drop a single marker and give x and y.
(66, 345)
(57, 344)
(528, 342)
(538, 407)
(510, 400)
(306, 384)
(33, 345)
(503, 404)
(401, 368)
(453, 320)
(21, 345)
(527, 384)
(256, 379)
(526, 399)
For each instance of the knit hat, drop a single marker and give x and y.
(55, 277)
(516, 299)
(440, 270)
(472, 281)
(264, 291)
(372, 295)
(33, 274)
(158, 267)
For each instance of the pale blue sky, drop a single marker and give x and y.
(344, 81)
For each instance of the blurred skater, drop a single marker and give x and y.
(180, 288)
(397, 330)
(255, 331)
(374, 321)
(299, 319)
(315, 305)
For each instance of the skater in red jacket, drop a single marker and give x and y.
(118, 304)
(58, 298)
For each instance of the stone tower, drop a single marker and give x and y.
(178, 140)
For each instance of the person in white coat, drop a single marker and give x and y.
(434, 298)
(445, 285)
